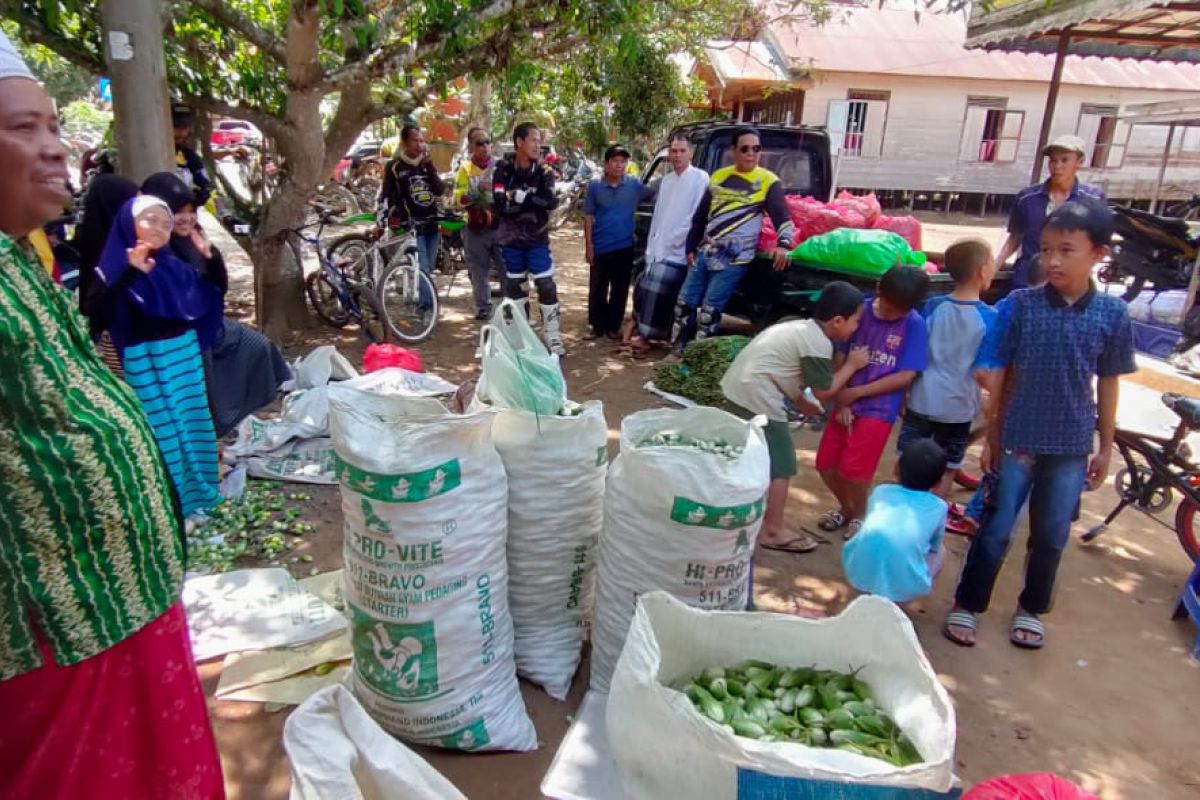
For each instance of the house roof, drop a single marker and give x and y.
(748, 62)
(1158, 30)
(896, 42)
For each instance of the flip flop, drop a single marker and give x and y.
(960, 525)
(852, 528)
(807, 545)
(832, 521)
(960, 619)
(1025, 622)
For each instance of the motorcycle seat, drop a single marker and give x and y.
(1187, 408)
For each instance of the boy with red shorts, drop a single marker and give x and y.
(866, 410)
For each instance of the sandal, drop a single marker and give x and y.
(1024, 622)
(960, 525)
(797, 544)
(960, 619)
(832, 520)
(852, 527)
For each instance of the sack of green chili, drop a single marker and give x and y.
(682, 510)
(665, 747)
(556, 467)
(424, 496)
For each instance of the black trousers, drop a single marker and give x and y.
(608, 290)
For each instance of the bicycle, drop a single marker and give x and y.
(336, 293)
(407, 295)
(1155, 468)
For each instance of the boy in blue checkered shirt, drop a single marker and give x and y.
(1055, 339)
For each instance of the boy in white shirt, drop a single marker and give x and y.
(776, 367)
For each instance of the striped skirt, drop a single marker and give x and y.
(168, 377)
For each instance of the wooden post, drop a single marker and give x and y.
(1064, 41)
(133, 50)
(1162, 169)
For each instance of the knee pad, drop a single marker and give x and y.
(514, 288)
(708, 316)
(547, 290)
(682, 310)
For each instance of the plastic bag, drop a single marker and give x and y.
(518, 370)
(908, 227)
(665, 748)
(556, 467)
(379, 356)
(335, 750)
(322, 365)
(424, 497)
(1028, 786)
(869, 253)
(676, 518)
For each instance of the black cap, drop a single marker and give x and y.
(181, 115)
(615, 150)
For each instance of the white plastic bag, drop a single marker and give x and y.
(424, 498)
(319, 367)
(664, 748)
(556, 467)
(337, 752)
(676, 519)
(518, 370)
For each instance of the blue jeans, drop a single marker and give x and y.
(710, 287)
(1052, 484)
(708, 290)
(427, 249)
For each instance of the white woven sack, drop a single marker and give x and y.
(676, 519)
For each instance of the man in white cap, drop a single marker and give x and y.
(1064, 157)
(100, 693)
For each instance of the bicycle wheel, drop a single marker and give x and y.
(373, 325)
(1187, 528)
(325, 300)
(409, 317)
(358, 255)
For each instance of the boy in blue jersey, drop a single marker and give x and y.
(1056, 339)
(945, 398)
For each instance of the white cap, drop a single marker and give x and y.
(11, 63)
(1072, 144)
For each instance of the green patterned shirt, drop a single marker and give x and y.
(90, 547)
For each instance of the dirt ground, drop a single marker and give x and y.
(1110, 702)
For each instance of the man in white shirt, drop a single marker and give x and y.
(676, 230)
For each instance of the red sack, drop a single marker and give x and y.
(812, 217)
(863, 205)
(908, 227)
(380, 356)
(767, 238)
(1030, 786)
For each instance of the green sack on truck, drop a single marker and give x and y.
(868, 253)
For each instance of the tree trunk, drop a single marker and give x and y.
(479, 110)
(278, 277)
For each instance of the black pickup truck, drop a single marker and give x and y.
(800, 156)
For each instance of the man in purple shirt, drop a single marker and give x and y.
(865, 411)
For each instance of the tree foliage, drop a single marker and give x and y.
(280, 63)
(64, 81)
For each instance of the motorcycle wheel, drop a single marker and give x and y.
(1188, 529)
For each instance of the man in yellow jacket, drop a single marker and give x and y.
(473, 192)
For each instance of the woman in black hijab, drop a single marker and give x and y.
(105, 196)
(245, 367)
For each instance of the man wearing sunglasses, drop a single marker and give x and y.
(739, 196)
(473, 192)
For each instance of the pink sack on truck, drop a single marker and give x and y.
(768, 238)
(908, 227)
(862, 205)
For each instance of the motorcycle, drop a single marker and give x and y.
(1151, 249)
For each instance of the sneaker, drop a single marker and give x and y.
(555, 343)
(482, 314)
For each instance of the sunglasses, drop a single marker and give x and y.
(750, 148)
(482, 143)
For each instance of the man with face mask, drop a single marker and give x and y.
(97, 682)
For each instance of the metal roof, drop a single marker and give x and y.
(1168, 112)
(747, 62)
(896, 42)
(1156, 30)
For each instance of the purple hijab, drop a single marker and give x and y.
(172, 291)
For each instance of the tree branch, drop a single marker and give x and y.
(269, 125)
(222, 12)
(390, 60)
(34, 29)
